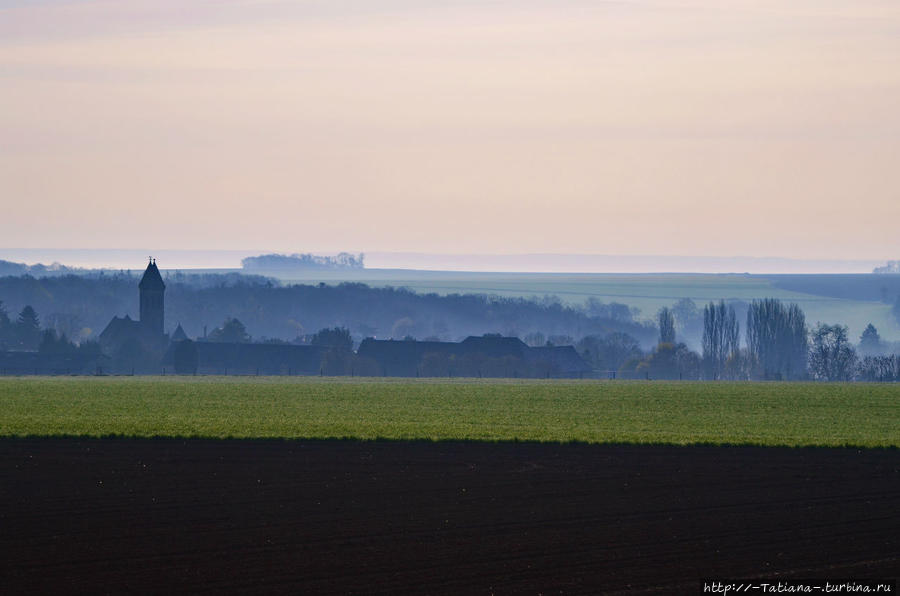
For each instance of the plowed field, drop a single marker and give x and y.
(351, 517)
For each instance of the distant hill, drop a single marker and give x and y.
(37, 270)
(277, 262)
(84, 305)
(891, 267)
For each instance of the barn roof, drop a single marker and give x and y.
(494, 346)
(119, 329)
(179, 334)
(41, 363)
(401, 358)
(564, 358)
(248, 357)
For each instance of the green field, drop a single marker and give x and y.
(798, 414)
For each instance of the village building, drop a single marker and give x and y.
(484, 356)
(230, 358)
(37, 363)
(148, 332)
(179, 334)
(143, 346)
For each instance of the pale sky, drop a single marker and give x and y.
(689, 127)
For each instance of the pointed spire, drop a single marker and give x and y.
(179, 334)
(152, 279)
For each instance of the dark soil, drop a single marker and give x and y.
(346, 517)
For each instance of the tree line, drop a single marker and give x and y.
(764, 339)
(25, 333)
(272, 262)
(82, 306)
(778, 345)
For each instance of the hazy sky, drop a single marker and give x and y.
(709, 127)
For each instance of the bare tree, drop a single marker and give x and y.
(777, 339)
(883, 369)
(688, 319)
(609, 352)
(535, 339)
(721, 336)
(831, 357)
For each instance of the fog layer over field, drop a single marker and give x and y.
(456, 262)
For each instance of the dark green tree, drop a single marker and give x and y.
(53, 344)
(90, 347)
(609, 352)
(6, 328)
(231, 331)
(870, 342)
(666, 326)
(673, 362)
(28, 329)
(338, 358)
(337, 338)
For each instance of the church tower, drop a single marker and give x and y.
(153, 292)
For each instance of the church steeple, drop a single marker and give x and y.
(153, 292)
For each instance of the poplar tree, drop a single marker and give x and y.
(721, 336)
(28, 329)
(777, 339)
(666, 326)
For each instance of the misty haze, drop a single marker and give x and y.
(392, 297)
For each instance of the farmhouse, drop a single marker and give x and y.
(228, 358)
(36, 363)
(485, 356)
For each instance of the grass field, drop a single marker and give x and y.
(805, 414)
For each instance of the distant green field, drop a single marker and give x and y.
(861, 415)
(645, 291)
